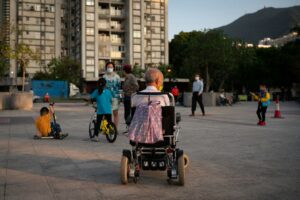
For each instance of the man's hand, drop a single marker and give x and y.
(199, 93)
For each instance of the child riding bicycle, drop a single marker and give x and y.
(103, 97)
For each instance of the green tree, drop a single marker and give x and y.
(210, 53)
(61, 69)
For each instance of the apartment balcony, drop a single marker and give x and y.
(105, 54)
(117, 41)
(103, 26)
(147, 36)
(117, 1)
(116, 54)
(117, 14)
(104, 39)
(103, 12)
(148, 48)
(118, 28)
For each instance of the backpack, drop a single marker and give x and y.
(146, 124)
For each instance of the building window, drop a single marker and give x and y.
(137, 5)
(90, 31)
(136, 20)
(90, 46)
(90, 16)
(121, 48)
(90, 61)
(137, 48)
(90, 2)
(137, 34)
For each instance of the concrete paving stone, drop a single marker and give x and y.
(29, 196)
(230, 157)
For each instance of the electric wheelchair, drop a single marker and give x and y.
(163, 155)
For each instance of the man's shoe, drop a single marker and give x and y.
(263, 123)
(259, 123)
(192, 115)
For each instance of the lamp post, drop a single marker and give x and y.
(169, 71)
(12, 79)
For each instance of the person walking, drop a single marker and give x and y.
(113, 83)
(130, 86)
(197, 95)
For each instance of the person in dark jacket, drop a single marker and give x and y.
(130, 86)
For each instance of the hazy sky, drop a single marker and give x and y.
(188, 15)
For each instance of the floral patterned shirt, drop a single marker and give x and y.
(113, 83)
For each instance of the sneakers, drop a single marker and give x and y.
(95, 139)
(261, 123)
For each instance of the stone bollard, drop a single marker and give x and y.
(22, 100)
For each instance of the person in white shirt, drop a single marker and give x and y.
(197, 95)
(154, 81)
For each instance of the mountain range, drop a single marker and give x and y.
(267, 22)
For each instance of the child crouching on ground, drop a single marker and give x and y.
(44, 126)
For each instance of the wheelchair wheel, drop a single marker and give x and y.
(111, 136)
(181, 170)
(124, 170)
(91, 128)
(186, 160)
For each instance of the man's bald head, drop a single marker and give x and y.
(154, 76)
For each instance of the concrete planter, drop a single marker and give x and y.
(187, 99)
(22, 100)
(5, 98)
(209, 99)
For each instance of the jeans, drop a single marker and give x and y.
(127, 109)
(55, 130)
(197, 98)
(98, 122)
(261, 112)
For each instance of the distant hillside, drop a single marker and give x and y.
(267, 22)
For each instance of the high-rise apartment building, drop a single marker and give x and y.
(123, 31)
(39, 24)
(148, 32)
(91, 31)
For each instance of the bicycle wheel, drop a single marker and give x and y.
(92, 126)
(111, 136)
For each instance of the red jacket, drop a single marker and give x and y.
(175, 91)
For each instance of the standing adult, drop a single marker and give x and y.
(130, 86)
(197, 95)
(113, 83)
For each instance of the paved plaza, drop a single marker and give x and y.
(231, 157)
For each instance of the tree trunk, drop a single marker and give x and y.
(222, 84)
(23, 77)
(207, 79)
